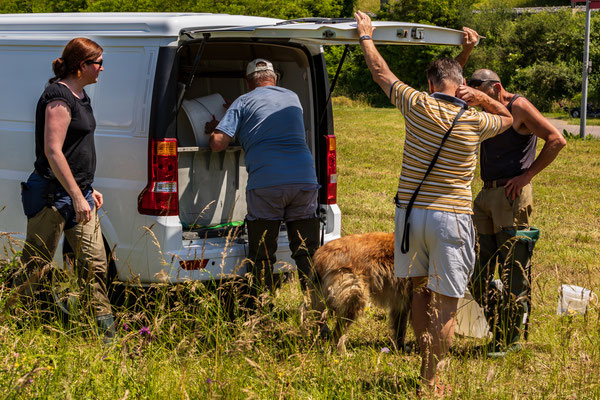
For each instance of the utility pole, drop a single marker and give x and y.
(586, 70)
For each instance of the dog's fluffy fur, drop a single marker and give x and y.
(350, 271)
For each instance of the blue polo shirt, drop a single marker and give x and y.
(268, 124)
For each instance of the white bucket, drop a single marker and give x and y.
(574, 299)
(195, 113)
(470, 318)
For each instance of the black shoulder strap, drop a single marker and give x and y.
(404, 245)
(510, 103)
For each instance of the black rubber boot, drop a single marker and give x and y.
(106, 328)
(262, 245)
(303, 235)
(515, 274)
(482, 286)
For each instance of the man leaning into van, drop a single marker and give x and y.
(282, 183)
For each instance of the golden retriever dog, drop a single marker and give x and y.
(353, 270)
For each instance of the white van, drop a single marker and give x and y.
(170, 203)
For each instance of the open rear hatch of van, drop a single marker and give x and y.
(327, 31)
(212, 64)
(206, 189)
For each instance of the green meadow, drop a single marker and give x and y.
(177, 342)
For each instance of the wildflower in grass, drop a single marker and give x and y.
(385, 350)
(209, 381)
(125, 326)
(390, 364)
(145, 331)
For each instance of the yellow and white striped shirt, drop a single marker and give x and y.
(448, 186)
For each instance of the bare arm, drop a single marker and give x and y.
(536, 123)
(58, 118)
(219, 140)
(474, 97)
(469, 41)
(382, 75)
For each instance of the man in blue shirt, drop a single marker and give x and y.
(282, 182)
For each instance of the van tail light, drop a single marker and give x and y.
(193, 265)
(331, 170)
(161, 195)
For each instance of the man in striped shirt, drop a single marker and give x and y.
(441, 254)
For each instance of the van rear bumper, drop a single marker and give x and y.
(149, 263)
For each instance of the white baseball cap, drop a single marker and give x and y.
(260, 64)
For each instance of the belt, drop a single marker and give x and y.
(496, 183)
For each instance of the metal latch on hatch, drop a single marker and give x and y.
(328, 34)
(418, 33)
(415, 33)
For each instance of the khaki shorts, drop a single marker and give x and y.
(493, 211)
(442, 247)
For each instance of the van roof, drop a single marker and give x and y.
(120, 24)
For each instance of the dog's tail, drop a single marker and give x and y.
(346, 294)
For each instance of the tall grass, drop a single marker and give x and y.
(179, 341)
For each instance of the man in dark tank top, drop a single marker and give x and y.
(503, 208)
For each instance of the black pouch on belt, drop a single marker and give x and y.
(36, 194)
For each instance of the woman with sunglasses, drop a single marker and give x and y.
(58, 196)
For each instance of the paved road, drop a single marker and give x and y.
(590, 129)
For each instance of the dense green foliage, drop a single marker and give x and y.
(278, 9)
(176, 342)
(525, 3)
(537, 54)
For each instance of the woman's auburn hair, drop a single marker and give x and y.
(75, 52)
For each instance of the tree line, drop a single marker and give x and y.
(539, 55)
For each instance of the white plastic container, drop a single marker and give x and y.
(470, 318)
(574, 299)
(195, 113)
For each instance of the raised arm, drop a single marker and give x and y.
(382, 75)
(476, 98)
(469, 41)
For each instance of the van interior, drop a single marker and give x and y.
(212, 186)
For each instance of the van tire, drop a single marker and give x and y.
(115, 290)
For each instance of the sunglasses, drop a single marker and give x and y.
(95, 62)
(479, 82)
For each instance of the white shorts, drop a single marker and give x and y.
(441, 247)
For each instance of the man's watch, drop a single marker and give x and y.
(364, 37)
